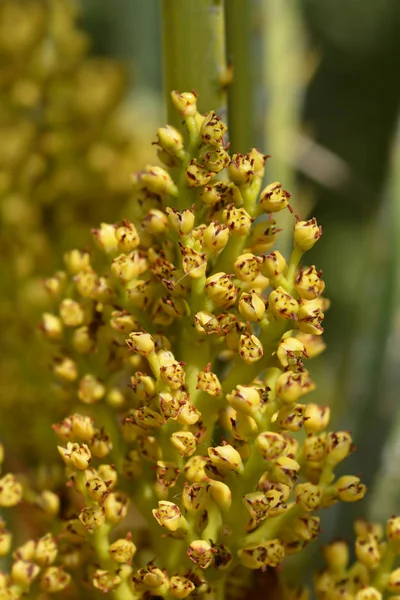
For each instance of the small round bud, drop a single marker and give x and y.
(54, 579)
(169, 516)
(306, 234)
(290, 352)
(215, 237)
(393, 583)
(185, 103)
(170, 139)
(308, 283)
(250, 348)
(201, 553)
(51, 326)
(76, 261)
(141, 342)
(76, 456)
(273, 198)
(273, 264)
(157, 181)
(245, 399)
(105, 581)
(269, 553)
(226, 458)
(308, 496)
(367, 551)
(338, 446)
(71, 313)
(246, 267)
(23, 572)
(105, 238)
(180, 587)
(10, 491)
(116, 507)
(237, 220)
(122, 551)
(127, 237)
(350, 489)
(316, 418)
(240, 170)
(251, 307)
(282, 304)
(46, 550)
(336, 555)
(291, 386)
(212, 130)
(184, 441)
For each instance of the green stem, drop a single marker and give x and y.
(194, 52)
(241, 91)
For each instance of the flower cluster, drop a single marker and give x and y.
(65, 157)
(184, 339)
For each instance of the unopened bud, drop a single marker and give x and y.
(212, 130)
(122, 550)
(273, 198)
(180, 587)
(184, 441)
(269, 553)
(250, 348)
(291, 385)
(185, 103)
(141, 342)
(306, 234)
(245, 399)
(282, 304)
(226, 458)
(201, 553)
(54, 579)
(10, 490)
(169, 516)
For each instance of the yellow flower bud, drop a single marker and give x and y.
(91, 390)
(140, 293)
(316, 418)
(263, 236)
(141, 342)
(245, 399)
(215, 237)
(251, 307)
(173, 374)
(393, 583)
(350, 489)
(338, 446)
(308, 496)
(194, 263)
(282, 304)
(220, 289)
(208, 382)
(184, 441)
(181, 221)
(116, 507)
(108, 474)
(291, 417)
(25, 552)
(308, 283)
(237, 220)
(197, 175)
(257, 504)
(290, 352)
(246, 267)
(314, 447)
(92, 518)
(393, 532)
(169, 516)
(180, 587)
(167, 473)
(105, 238)
(105, 581)
(305, 528)
(201, 553)
(71, 313)
(96, 488)
(23, 572)
(221, 494)
(250, 348)
(271, 445)
(127, 237)
(170, 139)
(52, 327)
(240, 169)
(226, 458)
(244, 427)
(100, 444)
(194, 496)
(212, 130)
(10, 490)
(257, 161)
(306, 234)
(215, 160)
(273, 198)
(122, 550)
(83, 340)
(76, 261)
(369, 593)
(54, 579)
(336, 555)
(291, 386)
(310, 317)
(46, 550)
(367, 551)
(185, 103)
(157, 181)
(285, 470)
(5, 539)
(77, 456)
(273, 264)
(268, 553)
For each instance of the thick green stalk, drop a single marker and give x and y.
(194, 52)
(240, 19)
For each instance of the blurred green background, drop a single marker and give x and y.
(321, 92)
